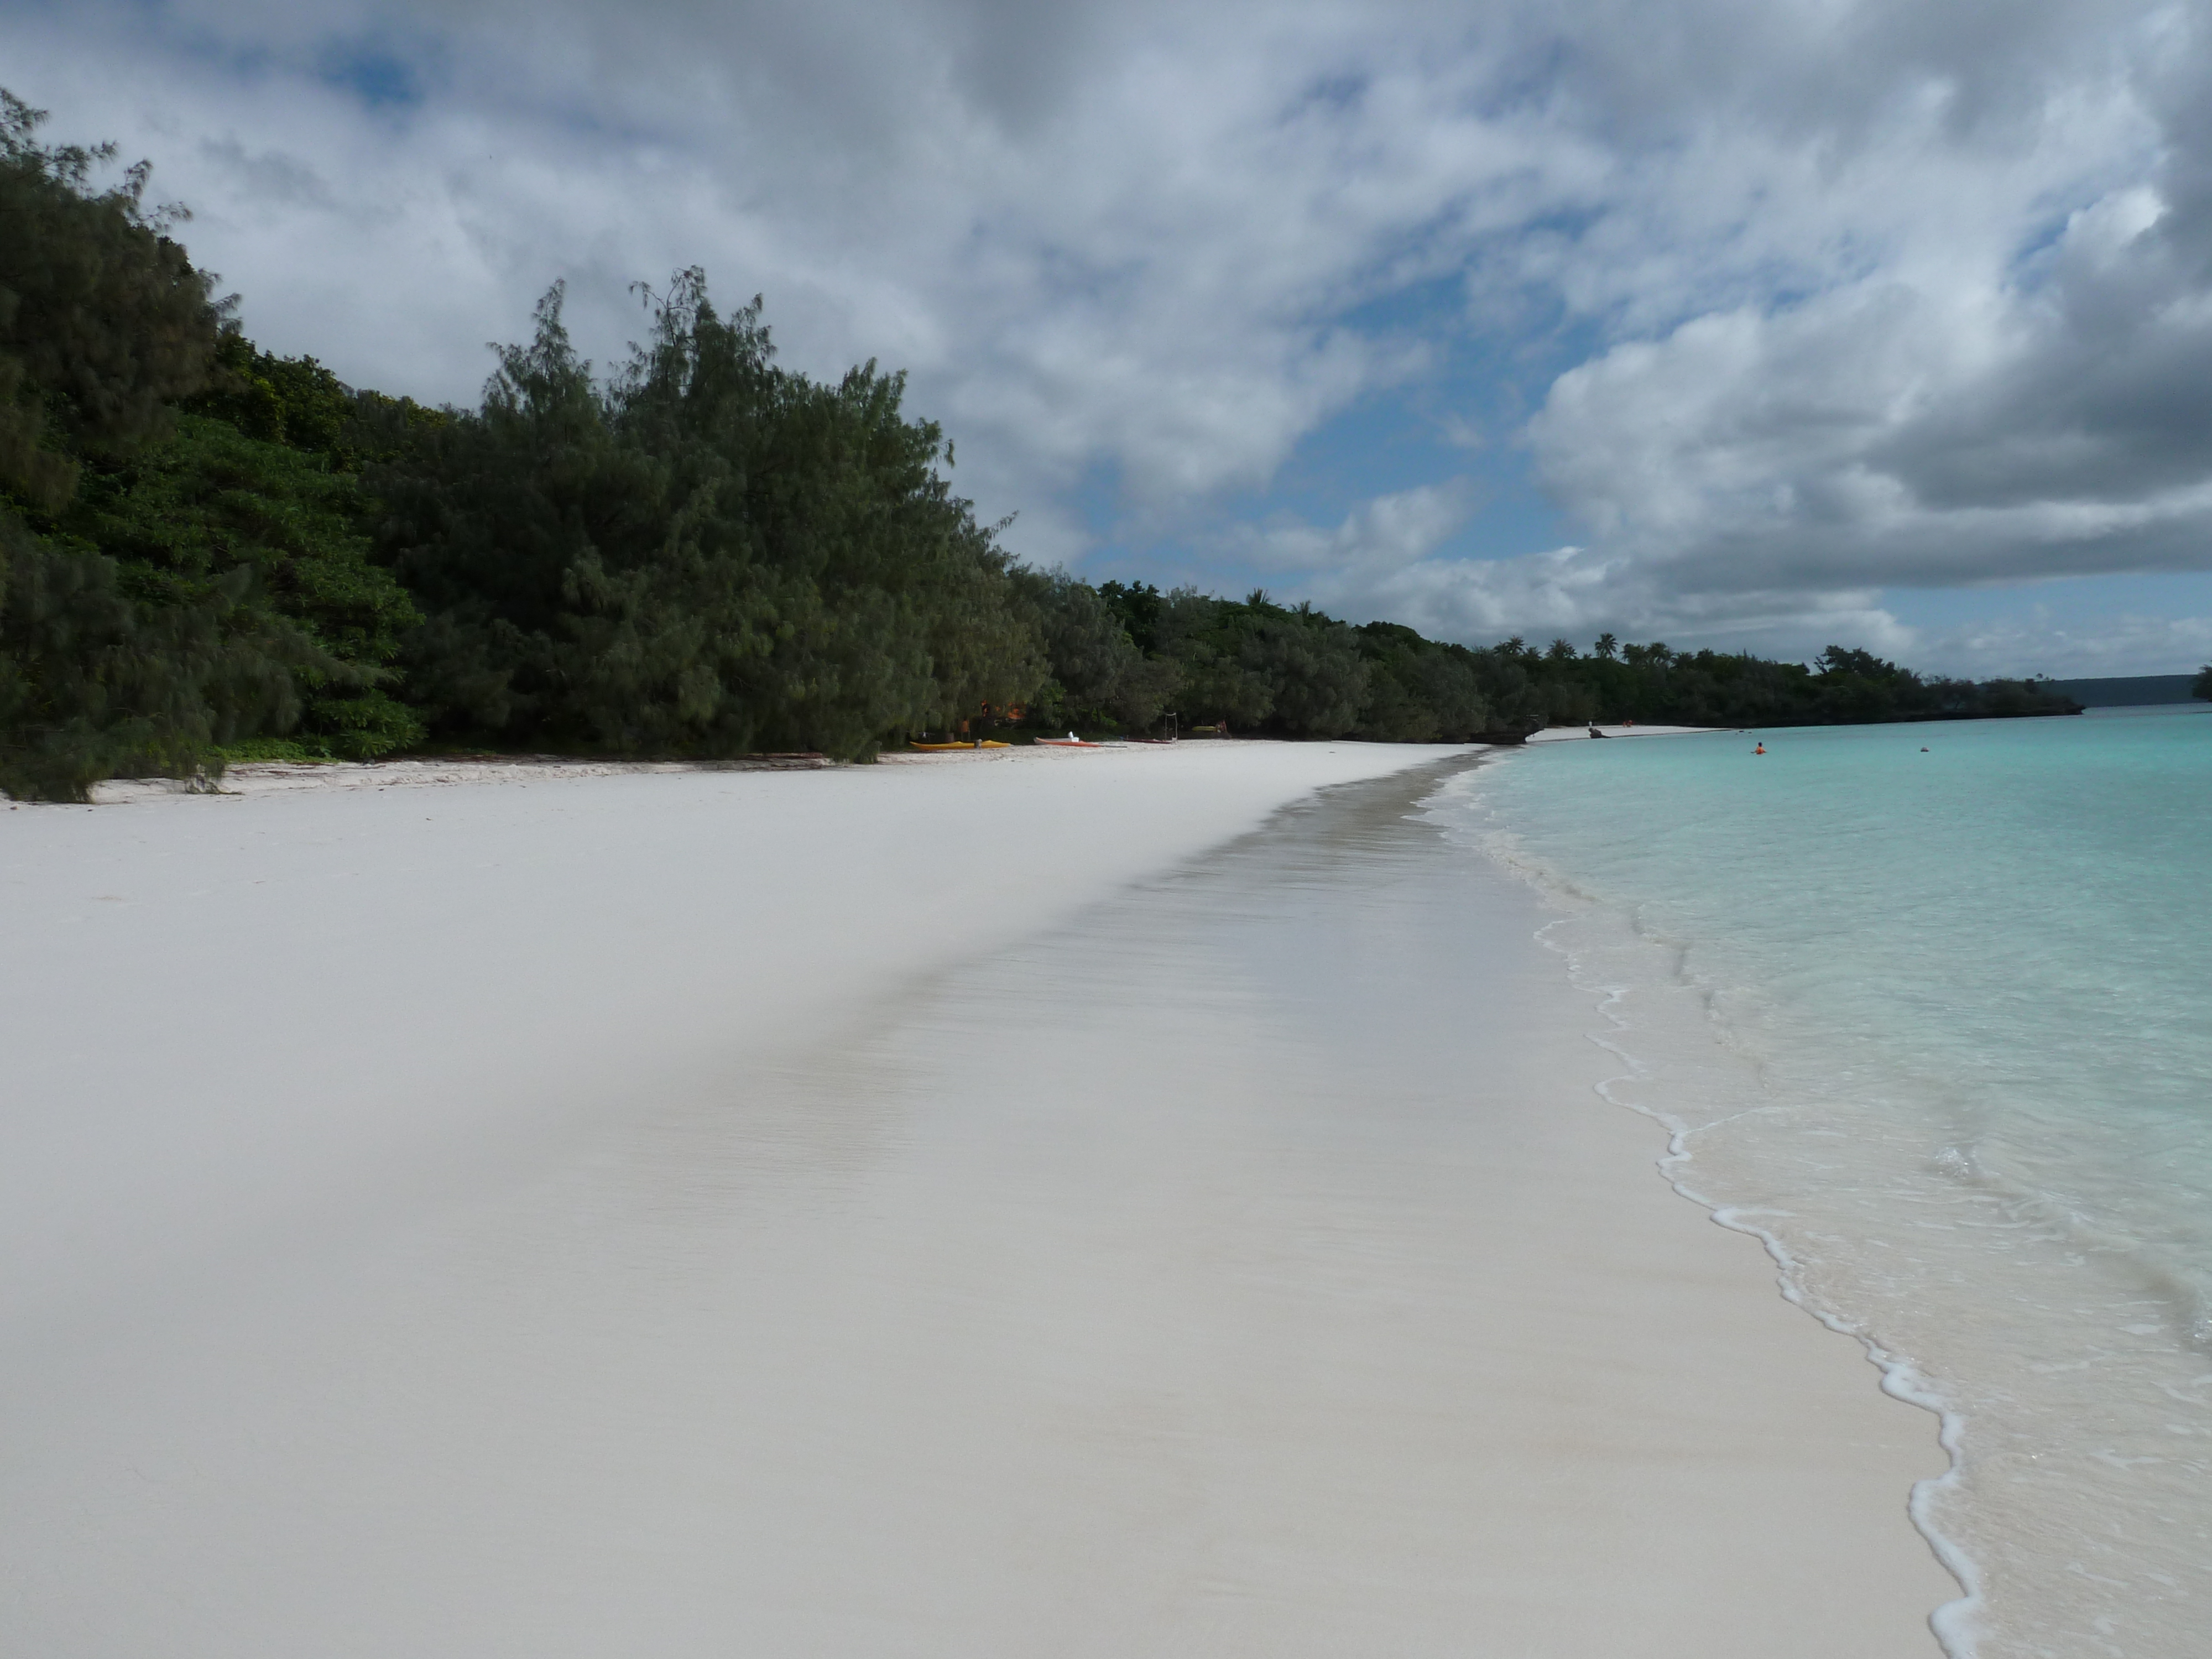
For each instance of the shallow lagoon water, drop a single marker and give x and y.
(1961, 1086)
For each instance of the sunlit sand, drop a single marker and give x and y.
(1126, 1204)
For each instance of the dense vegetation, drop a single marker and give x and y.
(183, 565)
(208, 553)
(1296, 672)
(707, 556)
(2202, 686)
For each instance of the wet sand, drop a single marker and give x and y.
(1206, 1252)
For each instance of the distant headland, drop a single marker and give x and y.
(2130, 691)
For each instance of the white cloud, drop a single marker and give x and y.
(1837, 294)
(1385, 534)
(1579, 592)
(2043, 639)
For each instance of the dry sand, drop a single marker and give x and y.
(931, 1209)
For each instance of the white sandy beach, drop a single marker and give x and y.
(1114, 1203)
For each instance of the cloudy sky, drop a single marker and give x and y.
(1761, 323)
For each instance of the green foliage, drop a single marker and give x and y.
(2202, 685)
(1263, 668)
(706, 557)
(1138, 606)
(209, 592)
(1418, 691)
(1654, 683)
(213, 502)
(1259, 666)
(95, 682)
(1313, 668)
(104, 323)
(1100, 680)
(1219, 683)
(298, 403)
(293, 401)
(173, 589)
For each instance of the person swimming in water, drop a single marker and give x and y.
(1761, 750)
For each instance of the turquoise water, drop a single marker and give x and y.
(1931, 1020)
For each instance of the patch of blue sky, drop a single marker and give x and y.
(2164, 593)
(374, 72)
(1341, 91)
(2035, 262)
(379, 71)
(1096, 501)
(1380, 447)
(1456, 424)
(1387, 446)
(2078, 606)
(1128, 547)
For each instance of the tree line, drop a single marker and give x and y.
(211, 553)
